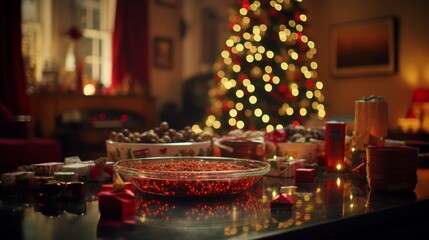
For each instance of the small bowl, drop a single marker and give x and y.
(120, 151)
(391, 169)
(192, 176)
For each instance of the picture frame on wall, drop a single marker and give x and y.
(163, 52)
(168, 3)
(364, 48)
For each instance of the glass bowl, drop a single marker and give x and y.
(191, 176)
(120, 151)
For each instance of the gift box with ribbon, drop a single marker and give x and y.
(102, 170)
(241, 147)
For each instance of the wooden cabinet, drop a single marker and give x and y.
(45, 108)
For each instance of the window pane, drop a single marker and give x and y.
(96, 14)
(100, 73)
(87, 70)
(88, 16)
(29, 10)
(79, 16)
(86, 46)
(100, 47)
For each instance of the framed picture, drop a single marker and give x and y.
(163, 52)
(364, 48)
(169, 3)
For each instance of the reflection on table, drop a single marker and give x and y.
(330, 198)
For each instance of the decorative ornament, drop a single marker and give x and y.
(245, 4)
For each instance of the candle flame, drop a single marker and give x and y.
(118, 183)
(339, 167)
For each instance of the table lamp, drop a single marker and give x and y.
(420, 102)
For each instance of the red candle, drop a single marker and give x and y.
(335, 136)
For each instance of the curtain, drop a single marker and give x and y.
(130, 44)
(13, 83)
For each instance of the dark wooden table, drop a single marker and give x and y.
(334, 206)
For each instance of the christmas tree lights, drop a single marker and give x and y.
(266, 77)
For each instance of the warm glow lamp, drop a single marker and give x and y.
(420, 102)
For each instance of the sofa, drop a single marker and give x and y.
(15, 152)
(17, 149)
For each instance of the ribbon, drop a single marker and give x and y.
(276, 136)
(100, 165)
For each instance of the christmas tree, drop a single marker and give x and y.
(266, 77)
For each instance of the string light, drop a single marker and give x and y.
(267, 75)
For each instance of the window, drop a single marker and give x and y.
(42, 37)
(95, 18)
(32, 42)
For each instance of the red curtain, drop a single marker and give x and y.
(13, 83)
(131, 43)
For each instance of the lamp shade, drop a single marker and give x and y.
(420, 95)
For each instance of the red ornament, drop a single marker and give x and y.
(241, 77)
(278, 135)
(225, 106)
(283, 88)
(231, 26)
(298, 16)
(295, 123)
(245, 4)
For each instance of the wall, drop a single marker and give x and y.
(413, 53)
(413, 57)
(193, 10)
(164, 21)
(183, 24)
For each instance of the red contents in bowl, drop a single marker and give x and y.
(189, 166)
(185, 183)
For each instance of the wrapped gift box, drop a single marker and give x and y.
(250, 148)
(65, 176)
(284, 167)
(80, 169)
(16, 180)
(47, 169)
(71, 160)
(304, 174)
(116, 204)
(100, 170)
(25, 168)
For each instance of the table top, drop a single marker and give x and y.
(333, 205)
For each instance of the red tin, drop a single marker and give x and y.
(335, 136)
